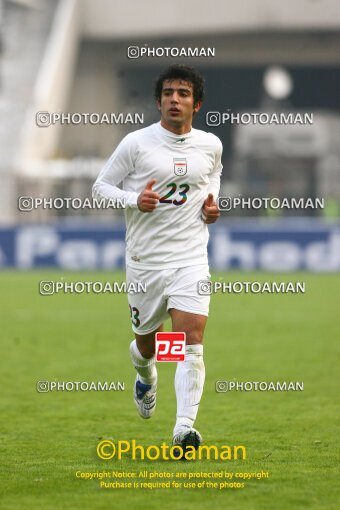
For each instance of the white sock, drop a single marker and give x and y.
(145, 367)
(189, 382)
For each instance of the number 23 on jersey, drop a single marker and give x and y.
(180, 191)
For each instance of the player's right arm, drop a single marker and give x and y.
(116, 169)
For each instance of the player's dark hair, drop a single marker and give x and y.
(180, 72)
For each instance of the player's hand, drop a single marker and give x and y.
(147, 200)
(210, 211)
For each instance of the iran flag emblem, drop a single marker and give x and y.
(180, 166)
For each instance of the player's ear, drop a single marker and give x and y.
(197, 106)
(158, 105)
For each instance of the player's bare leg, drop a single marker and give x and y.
(142, 351)
(189, 378)
(146, 343)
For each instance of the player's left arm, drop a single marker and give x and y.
(210, 211)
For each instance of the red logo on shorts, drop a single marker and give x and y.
(170, 346)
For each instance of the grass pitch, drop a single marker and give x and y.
(48, 437)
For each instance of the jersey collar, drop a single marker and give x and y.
(178, 139)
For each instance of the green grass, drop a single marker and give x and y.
(46, 438)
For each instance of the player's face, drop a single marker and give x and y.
(177, 105)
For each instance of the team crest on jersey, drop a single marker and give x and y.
(180, 166)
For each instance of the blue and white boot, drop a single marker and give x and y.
(145, 398)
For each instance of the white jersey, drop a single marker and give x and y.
(186, 169)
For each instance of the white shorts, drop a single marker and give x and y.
(165, 289)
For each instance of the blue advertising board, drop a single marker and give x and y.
(245, 245)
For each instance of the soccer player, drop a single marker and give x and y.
(170, 174)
